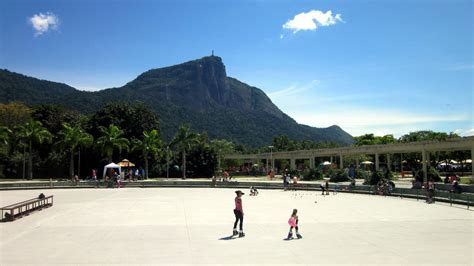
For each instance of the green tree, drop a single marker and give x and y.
(426, 135)
(111, 139)
(53, 117)
(72, 138)
(150, 145)
(132, 119)
(14, 114)
(282, 143)
(5, 135)
(371, 139)
(183, 140)
(33, 132)
(222, 148)
(202, 161)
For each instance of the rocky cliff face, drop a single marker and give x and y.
(199, 84)
(202, 85)
(196, 92)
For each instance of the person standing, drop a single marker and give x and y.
(94, 175)
(226, 176)
(239, 214)
(431, 188)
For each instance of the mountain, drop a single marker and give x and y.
(197, 92)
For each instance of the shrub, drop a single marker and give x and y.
(293, 173)
(432, 174)
(388, 175)
(313, 174)
(361, 174)
(373, 178)
(338, 176)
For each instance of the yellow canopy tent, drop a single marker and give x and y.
(126, 163)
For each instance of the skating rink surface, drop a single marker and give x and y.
(192, 226)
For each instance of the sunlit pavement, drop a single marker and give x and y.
(193, 225)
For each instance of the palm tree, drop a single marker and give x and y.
(4, 134)
(33, 132)
(222, 147)
(111, 139)
(72, 138)
(184, 139)
(150, 145)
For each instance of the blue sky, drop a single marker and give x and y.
(383, 67)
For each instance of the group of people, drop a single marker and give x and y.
(290, 181)
(454, 180)
(384, 187)
(239, 218)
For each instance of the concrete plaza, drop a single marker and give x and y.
(193, 225)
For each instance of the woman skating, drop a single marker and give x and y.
(239, 214)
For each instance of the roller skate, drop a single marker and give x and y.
(290, 236)
(299, 236)
(234, 233)
(241, 234)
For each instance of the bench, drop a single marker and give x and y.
(13, 211)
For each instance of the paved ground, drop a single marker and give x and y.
(191, 226)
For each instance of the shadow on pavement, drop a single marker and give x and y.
(231, 237)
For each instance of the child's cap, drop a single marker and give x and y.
(239, 192)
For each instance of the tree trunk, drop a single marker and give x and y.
(30, 163)
(146, 167)
(24, 162)
(71, 165)
(79, 163)
(184, 164)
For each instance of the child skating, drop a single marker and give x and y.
(293, 222)
(239, 214)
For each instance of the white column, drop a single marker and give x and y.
(292, 163)
(341, 162)
(389, 165)
(357, 163)
(425, 168)
(472, 161)
(376, 162)
(311, 163)
(428, 158)
(401, 162)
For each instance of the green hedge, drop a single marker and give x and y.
(313, 174)
(338, 176)
(432, 174)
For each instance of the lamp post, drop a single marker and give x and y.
(167, 162)
(271, 156)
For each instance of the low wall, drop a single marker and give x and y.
(442, 191)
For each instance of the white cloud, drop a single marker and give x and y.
(281, 36)
(379, 121)
(465, 132)
(311, 20)
(292, 90)
(43, 22)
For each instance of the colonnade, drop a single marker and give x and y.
(423, 147)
